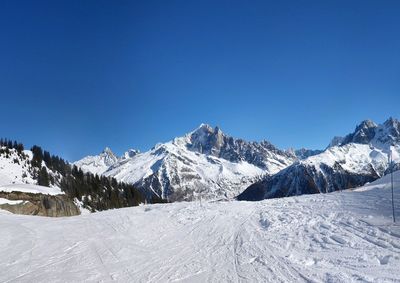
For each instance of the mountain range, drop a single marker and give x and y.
(360, 157)
(205, 163)
(209, 164)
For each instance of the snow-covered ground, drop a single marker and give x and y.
(338, 237)
(15, 172)
(29, 188)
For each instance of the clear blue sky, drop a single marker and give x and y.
(76, 76)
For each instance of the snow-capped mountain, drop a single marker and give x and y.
(360, 157)
(367, 132)
(98, 164)
(205, 163)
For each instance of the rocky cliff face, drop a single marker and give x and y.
(212, 141)
(39, 204)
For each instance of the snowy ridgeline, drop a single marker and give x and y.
(338, 237)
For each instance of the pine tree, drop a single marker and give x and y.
(20, 148)
(43, 178)
(37, 156)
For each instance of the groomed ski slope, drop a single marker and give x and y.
(337, 237)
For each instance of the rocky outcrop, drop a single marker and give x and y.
(40, 204)
(212, 141)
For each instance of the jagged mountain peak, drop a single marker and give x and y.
(204, 128)
(107, 150)
(212, 141)
(364, 132)
(388, 134)
(204, 131)
(368, 132)
(207, 139)
(98, 164)
(366, 124)
(393, 126)
(108, 156)
(392, 122)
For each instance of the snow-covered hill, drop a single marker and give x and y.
(337, 237)
(360, 157)
(19, 192)
(16, 169)
(205, 163)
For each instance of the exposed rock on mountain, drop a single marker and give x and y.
(380, 136)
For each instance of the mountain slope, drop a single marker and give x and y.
(205, 163)
(361, 157)
(44, 184)
(17, 167)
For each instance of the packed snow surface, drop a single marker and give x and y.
(344, 236)
(29, 188)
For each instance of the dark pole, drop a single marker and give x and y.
(391, 177)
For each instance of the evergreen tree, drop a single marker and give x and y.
(37, 156)
(43, 177)
(20, 148)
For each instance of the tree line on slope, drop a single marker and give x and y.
(9, 144)
(95, 192)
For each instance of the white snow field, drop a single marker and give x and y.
(338, 237)
(34, 189)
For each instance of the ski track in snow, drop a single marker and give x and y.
(338, 237)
